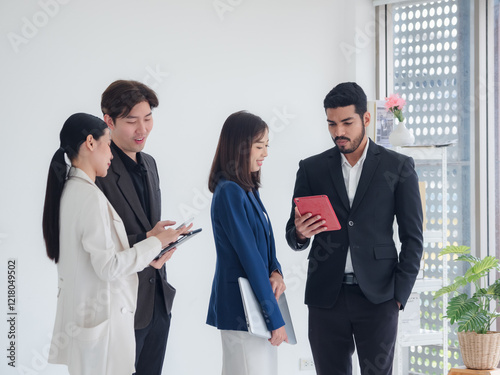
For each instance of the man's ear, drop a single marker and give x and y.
(109, 121)
(366, 118)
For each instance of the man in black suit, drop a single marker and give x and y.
(133, 188)
(357, 282)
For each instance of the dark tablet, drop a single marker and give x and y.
(179, 241)
(319, 205)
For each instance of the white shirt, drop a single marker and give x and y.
(351, 180)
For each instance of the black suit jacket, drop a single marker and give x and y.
(120, 191)
(388, 188)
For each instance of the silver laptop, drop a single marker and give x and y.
(253, 313)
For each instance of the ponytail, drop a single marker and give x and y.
(74, 132)
(50, 223)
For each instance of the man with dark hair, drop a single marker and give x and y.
(133, 188)
(356, 281)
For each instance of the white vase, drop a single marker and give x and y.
(401, 136)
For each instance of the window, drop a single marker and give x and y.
(495, 131)
(431, 60)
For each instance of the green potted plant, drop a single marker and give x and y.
(474, 312)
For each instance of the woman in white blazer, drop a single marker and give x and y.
(94, 327)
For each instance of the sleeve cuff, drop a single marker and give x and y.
(279, 271)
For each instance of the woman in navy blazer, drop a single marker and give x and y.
(245, 248)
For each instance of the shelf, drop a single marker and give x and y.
(433, 236)
(436, 157)
(427, 285)
(423, 152)
(424, 337)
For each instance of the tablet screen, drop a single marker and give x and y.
(179, 241)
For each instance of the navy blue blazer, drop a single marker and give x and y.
(387, 189)
(245, 248)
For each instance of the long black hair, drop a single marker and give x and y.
(232, 157)
(73, 134)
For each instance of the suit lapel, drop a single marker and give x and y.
(120, 230)
(126, 186)
(153, 187)
(113, 215)
(335, 168)
(259, 207)
(265, 222)
(369, 166)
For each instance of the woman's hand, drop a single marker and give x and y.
(159, 227)
(278, 336)
(158, 263)
(169, 235)
(277, 284)
(166, 237)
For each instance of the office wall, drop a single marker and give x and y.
(206, 59)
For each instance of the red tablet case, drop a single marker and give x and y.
(319, 205)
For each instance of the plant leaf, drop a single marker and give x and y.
(469, 258)
(481, 293)
(459, 306)
(475, 321)
(457, 283)
(481, 268)
(455, 250)
(494, 289)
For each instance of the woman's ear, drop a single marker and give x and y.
(90, 142)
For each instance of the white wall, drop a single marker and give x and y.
(275, 58)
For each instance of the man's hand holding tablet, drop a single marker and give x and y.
(313, 215)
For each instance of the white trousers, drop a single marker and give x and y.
(246, 354)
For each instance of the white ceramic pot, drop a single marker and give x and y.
(401, 136)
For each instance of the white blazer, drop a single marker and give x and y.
(94, 328)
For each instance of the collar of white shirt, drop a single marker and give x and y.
(361, 159)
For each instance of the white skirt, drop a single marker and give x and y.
(246, 354)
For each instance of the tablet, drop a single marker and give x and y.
(179, 241)
(319, 205)
(253, 313)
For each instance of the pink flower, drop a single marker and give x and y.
(394, 103)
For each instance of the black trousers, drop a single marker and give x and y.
(353, 320)
(151, 342)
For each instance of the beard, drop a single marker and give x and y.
(353, 145)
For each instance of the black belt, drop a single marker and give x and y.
(350, 279)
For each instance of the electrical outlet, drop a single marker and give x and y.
(306, 364)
